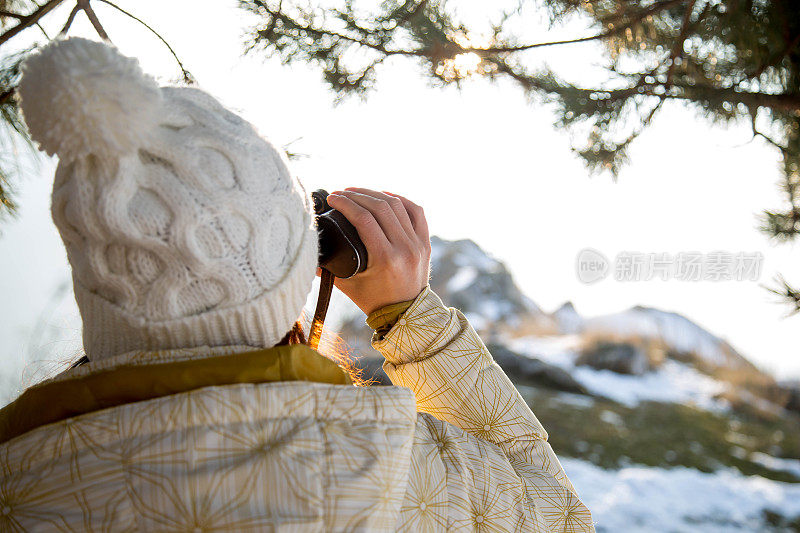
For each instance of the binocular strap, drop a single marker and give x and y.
(324, 299)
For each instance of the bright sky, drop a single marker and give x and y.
(485, 163)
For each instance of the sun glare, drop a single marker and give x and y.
(466, 64)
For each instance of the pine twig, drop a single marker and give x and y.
(677, 48)
(787, 293)
(87, 8)
(29, 20)
(187, 76)
(43, 31)
(655, 8)
(9, 14)
(319, 32)
(777, 57)
(78, 7)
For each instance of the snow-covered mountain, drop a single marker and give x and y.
(567, 319)
(676, 331)
(468, 278)
(643, 406)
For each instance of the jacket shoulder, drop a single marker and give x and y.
(333, 457)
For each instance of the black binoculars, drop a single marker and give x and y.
(341, 251)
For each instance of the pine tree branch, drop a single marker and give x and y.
(70, 19)
(318, 33)
(782, 102)
(777, 58)
(9, 14)
(29, 20)
(677, 48)
(693, 93)
(652, 10)
(787, 293)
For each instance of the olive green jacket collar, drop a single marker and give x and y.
(86, 392)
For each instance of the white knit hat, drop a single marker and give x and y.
(183, 226)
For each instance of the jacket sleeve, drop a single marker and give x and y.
(433, 350)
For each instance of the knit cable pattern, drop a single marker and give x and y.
(197, 235)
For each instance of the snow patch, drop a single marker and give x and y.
(672, 382)
(464, 278)
(494, 310)
(646, 499)
(478, 322)
(575, 400)
(466, 253)
(558, 350)
(610, 417)
(777, 463)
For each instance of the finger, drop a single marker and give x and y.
(361, 218)
(395, 203)
(417, 216)
(383, 213)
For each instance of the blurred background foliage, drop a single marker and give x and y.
(731, 60)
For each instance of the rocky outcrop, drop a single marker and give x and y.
(791, 396)
(523, 370)
(619, 357)
(468, 278)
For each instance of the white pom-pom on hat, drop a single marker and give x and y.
(81, 97)
(205, 240)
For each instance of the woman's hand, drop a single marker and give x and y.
(395, 232)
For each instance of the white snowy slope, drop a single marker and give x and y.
(671, 382)
(642, 499)
(777, 463)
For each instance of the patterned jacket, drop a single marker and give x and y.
(275, 440)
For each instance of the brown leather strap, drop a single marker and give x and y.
(324, 299)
